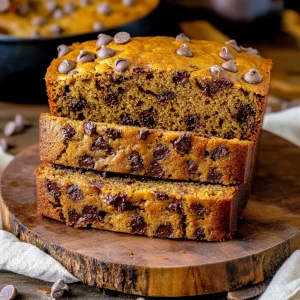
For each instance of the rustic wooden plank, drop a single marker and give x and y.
(267, 235)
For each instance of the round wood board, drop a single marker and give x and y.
(267, 235)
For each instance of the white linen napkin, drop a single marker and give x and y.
(26, 259)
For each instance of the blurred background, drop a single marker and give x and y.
(31, 30)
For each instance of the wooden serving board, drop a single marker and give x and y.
(267, 235)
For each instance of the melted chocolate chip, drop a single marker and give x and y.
(216, 85)
(143, 134)
(100, 144)
(86, 161)
(138, 70)
(74, 192)
(68, 132)
(53, 188)
(161, 152)
(155, 170)
(136, 162)
(175, 207)
(138, 225)
(244, 112)
(192, 167)
(164, 230)
(165, 96)
(198, 208)
(229, 135)
(113, 133)
(112, 100)
(181, 77)
(125, 119)
(97, 184)
(89, 128)
(183, 144)
(73, 217)
(214, 176)
(146, 117)
(161, 195)
(192, 121)
(78, 105)
(199, 234)
(119, 201)
(219, 152)
(91, 214)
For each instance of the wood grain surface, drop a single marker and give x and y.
(267, 235)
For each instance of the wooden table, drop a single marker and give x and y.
(36, 289)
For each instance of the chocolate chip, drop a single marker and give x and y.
(226, 54)
(125, 119)
(165, 96)
(77, 105)
(89, 128)
(119, 201)
(4, 5)
(253, 77)
(58, 14)
(104, 8)
(184, 50)
(136, 162)
(74, 192)
(220, 81)
(198, 209)
(100, 144)
(183, 144)
(138, 225)
(181, 77)
(192, 121)
(97, 184)
(182, 37)
(161, 152)
(84, 3)
(51, 5)
(122, 38)
(85, 56)
(192, 167)
(10, 128)
(113, 99)
(69, 8)
(215, 68)
(105, 52)
(66, 66)
(122, 65)
(138, 70)
(73, 72)
(35, 34)
(56, 29)
(244, 112)
(146, 117)
(24, 9)
(250, 51)
(219, 152)
(161, 195)
(53, 188)
(234, 45)
(175, 207)
(58, 289)
(38, 21)
(214, 176)
(164, 230)
(9, 292)
(143, 134)
(155, 170)
(230, 66)
(73, 217)
(91, 214)
(63, 50)
(98, 26)
(229, 135)
(103, 39)
(199, 234)
(128, 2)
(68, 132)
(86, 161)
(113, 133)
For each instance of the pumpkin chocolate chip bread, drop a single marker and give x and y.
(141, 151)
(33, 18)
(138, 205)
(161, 82)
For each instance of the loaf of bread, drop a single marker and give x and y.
(140, 151)
(156, 208)
(161, 82)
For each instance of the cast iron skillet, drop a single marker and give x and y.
(23, 61)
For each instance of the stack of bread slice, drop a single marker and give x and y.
(151, 135)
